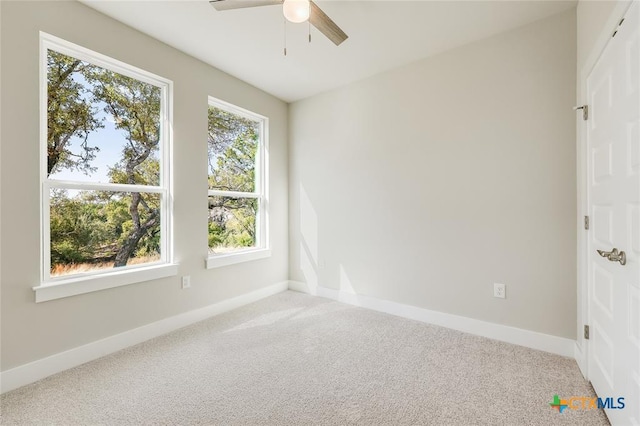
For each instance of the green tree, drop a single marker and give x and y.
(233, 145)
(69, 114)
(135, 107)
(79, 227)
(93, 226)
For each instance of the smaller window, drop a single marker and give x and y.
(237, 211)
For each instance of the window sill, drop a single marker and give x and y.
(87, 284)
(221, 260)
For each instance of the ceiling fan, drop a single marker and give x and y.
(295, 11)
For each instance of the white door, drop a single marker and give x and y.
(613, 146)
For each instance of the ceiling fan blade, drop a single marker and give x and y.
(325, 25)
(221, 5)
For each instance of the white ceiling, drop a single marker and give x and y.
(248, 43)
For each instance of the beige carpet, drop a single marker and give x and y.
(294, 359)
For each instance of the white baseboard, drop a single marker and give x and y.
(580, 356)
(304, 288)
(517, 336)
(36, 370)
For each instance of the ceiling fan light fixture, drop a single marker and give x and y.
(296, 11)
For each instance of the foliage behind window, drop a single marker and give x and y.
(103, 128)
(233, 144)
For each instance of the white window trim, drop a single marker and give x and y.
(220, 260)
(263, 248)
(81, 284)
(53, 288)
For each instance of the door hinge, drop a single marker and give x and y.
(586, 332)
(585, 111)
(616, 31)
(586, 222)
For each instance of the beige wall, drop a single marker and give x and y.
(592, 17)
(32, 331)
(426, 184)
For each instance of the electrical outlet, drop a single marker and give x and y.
(499, 290)
(186, 282)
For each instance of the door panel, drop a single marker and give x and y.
(613, 184)
(602, 218)
(633, 140)
(603, 290)
(602, 167)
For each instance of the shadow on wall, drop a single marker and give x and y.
(309, 250)
(308, 240)
(345, 282)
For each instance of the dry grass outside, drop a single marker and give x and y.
(79, 268)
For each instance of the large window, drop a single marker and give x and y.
(237, 184)
(105, 165)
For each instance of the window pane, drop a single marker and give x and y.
(99, 230)
(101, 126)
(233, 143)
(232, 224)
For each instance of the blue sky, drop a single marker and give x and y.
(108, 139)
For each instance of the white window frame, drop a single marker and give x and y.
(261, 193)
(57, 287)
